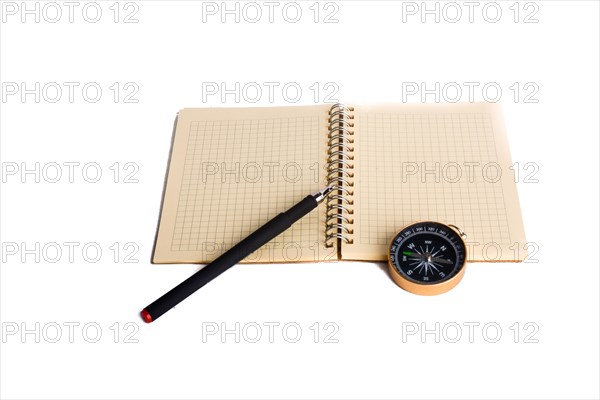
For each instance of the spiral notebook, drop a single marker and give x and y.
(233, 169)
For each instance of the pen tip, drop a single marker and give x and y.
(325, 192)
(146, 316)
(322, 194)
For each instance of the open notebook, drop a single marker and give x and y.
(233, 169)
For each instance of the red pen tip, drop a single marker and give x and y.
(146, 316)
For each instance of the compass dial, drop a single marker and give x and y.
(427, 258)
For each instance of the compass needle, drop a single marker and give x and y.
(441, 260)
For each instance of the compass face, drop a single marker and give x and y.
(427, 253)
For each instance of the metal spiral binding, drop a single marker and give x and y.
(340, 175)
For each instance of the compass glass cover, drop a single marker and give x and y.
(427, 253)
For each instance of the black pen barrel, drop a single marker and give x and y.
(228, 259)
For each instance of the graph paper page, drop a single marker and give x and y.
(445, 163)
(231, 171)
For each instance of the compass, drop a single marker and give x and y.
(427, 258)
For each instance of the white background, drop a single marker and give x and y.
(168, 54)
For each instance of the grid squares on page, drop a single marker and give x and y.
(238, 174)
(392, 146)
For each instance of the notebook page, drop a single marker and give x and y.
(231, 171)
(445, 163)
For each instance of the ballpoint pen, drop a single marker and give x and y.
(234, 255)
